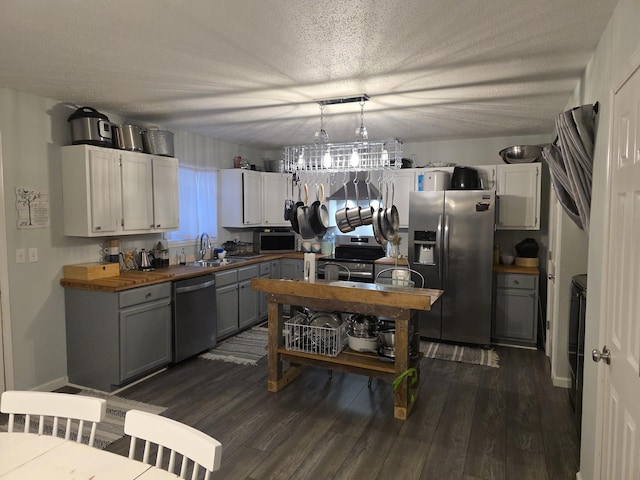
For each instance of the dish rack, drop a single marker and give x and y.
(327, 341)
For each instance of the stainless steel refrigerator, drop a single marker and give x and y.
(451, 245)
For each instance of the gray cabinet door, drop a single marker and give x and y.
(516, 309)
(276, 268)
(227, 308)
(292, 268)
(247, 304)
(145, 338)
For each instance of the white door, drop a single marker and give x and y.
(621, 304)
(6, 359)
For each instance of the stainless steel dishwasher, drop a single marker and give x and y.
(194, 316)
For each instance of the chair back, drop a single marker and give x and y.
(56, 405)
(178, 438)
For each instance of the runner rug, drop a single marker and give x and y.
(246, 348)
(107, 431)
(460, 353)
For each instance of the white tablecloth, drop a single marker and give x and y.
(26, 455)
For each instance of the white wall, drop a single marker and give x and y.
(619, 42)
(33, 130)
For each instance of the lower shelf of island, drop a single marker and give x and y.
(349, 361)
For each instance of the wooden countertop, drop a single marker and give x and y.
(516, 269)
(134, 278)
(345, 291)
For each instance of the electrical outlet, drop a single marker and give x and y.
(20, 255)
(33, 255)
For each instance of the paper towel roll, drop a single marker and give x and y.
(309, 267)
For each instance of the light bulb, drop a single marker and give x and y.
(326, 160)
(385, 156)
(354, 161)
(301, 158)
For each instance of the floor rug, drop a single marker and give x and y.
(245, 348)
(107, 431)
(460, 353)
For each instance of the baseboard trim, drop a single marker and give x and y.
(52, 385)
(561, 382)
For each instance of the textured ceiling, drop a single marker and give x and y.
(250, 71)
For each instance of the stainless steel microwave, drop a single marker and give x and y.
(274, 242)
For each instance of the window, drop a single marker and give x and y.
(198, 204)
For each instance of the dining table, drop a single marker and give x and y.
(29, 455)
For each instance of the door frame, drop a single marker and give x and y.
(6, 351)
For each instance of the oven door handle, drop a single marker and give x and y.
(193, 288)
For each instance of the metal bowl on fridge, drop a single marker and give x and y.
(90, 127)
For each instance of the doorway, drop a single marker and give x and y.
(6, 359)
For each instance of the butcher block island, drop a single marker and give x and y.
(393, 303)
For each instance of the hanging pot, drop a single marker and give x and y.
(88, 126)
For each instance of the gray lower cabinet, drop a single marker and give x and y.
(237, 302)
(227, 302)
(292, 268)
(114, 338)
(516, 309)
(276, 268)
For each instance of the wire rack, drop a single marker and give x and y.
(339, 157)
(314, 339)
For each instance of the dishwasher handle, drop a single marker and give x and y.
(193, 288)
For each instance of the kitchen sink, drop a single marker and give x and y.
(205, 263)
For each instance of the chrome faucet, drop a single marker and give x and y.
(205, 244)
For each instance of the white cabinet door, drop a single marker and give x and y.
(274, 192)
(137, 193)
(518, 189)
(166, 212)
(104, 183)
(404, 181)
(91, 191)
(241, 194)
(252, 198)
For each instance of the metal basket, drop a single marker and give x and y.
(158, 142)
(325, 341)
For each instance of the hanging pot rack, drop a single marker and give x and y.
(358, 155)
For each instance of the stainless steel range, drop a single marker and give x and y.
(353, 259)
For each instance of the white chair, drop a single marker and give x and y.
(56, 405)
(177, 437)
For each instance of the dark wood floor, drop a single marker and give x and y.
(470, 422)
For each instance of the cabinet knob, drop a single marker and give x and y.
(158, 226)
(551, 277)
(98, 228)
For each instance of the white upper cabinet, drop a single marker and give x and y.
(274, 192)
(241, 198)
(166, 211)
(137, 192)
(404, 181)
(112, 192)
(518, 189)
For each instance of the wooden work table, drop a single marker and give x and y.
(399, 304)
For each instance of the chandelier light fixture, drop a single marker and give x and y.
(361, 154)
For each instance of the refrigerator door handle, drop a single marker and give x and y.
(439, 246)
(446, 246)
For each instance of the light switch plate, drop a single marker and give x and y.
(20, 255)
(33, 254)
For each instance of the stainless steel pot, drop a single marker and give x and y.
(88, 126)
(128, 137)
(158, 142)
